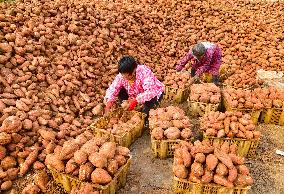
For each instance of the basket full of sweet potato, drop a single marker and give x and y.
(89, 163)
(203, 98)
(205, 168)
(120, 126)
(177, 86)
(168, 127)
(233, 127)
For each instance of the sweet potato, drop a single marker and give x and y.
(68, 149)
(221, 133)
(186, 133)
(227, 122)
(172, 133)
(249, 134)
(8, 162)
(197, 169)
(6, 185)
(47, 135)
(71, 165)
(157, 133)
(108, 149)
(244, 180)
(121, 160)
(80, 157)
(225, 147)
(224, 158)
(41, 179)
(193, 178)
(233, 173)
(3, 152)
(256, 134)
(112, 166)
(50, 147)
(12, 174)
(207, 177)
(12, 124)
(180, 171)
(31, 189)
(55, 162)
(99, 160)
(100, 176)
(242, 169)
(221, 169)
(237, 160)
(233, 148)
(28, 162)
(90, 147)
(211, 162)
(120, 150)
(199, 157)
(222, 181)
(85, 171)
(186, 157)
(38, 165)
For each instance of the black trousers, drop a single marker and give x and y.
(215, 78)
(123, 95)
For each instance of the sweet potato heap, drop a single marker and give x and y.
(169, 123)
(206, 93)
(118, 126)
(178, 80)
(88, 158)
(203, 163)
(19, 151)
(254, 99)
(229, 124)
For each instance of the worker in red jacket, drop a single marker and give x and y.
(207, 58)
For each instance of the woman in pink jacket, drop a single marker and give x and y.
(207, 58)
(135, 83)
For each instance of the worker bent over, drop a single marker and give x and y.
(207, 58)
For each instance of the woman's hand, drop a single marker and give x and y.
(125, 104)
(132, 104)
(108, 106)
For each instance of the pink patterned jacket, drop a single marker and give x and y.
(211, 62)
(145, 87)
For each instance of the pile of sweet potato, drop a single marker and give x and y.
(204, 163)
(229, 124)
(19, 151)
(178, 80)
(270, 97)
(125, 123)
(88, 158)
(206, 93)
(169, 123)
(254, 99)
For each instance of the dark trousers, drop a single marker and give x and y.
(123, 95)
(215, 78)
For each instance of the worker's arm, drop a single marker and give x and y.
(184, 61)
(113, 90)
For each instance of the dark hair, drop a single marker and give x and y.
(198, 50)
(126, 64)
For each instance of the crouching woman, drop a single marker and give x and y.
(135, 83)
